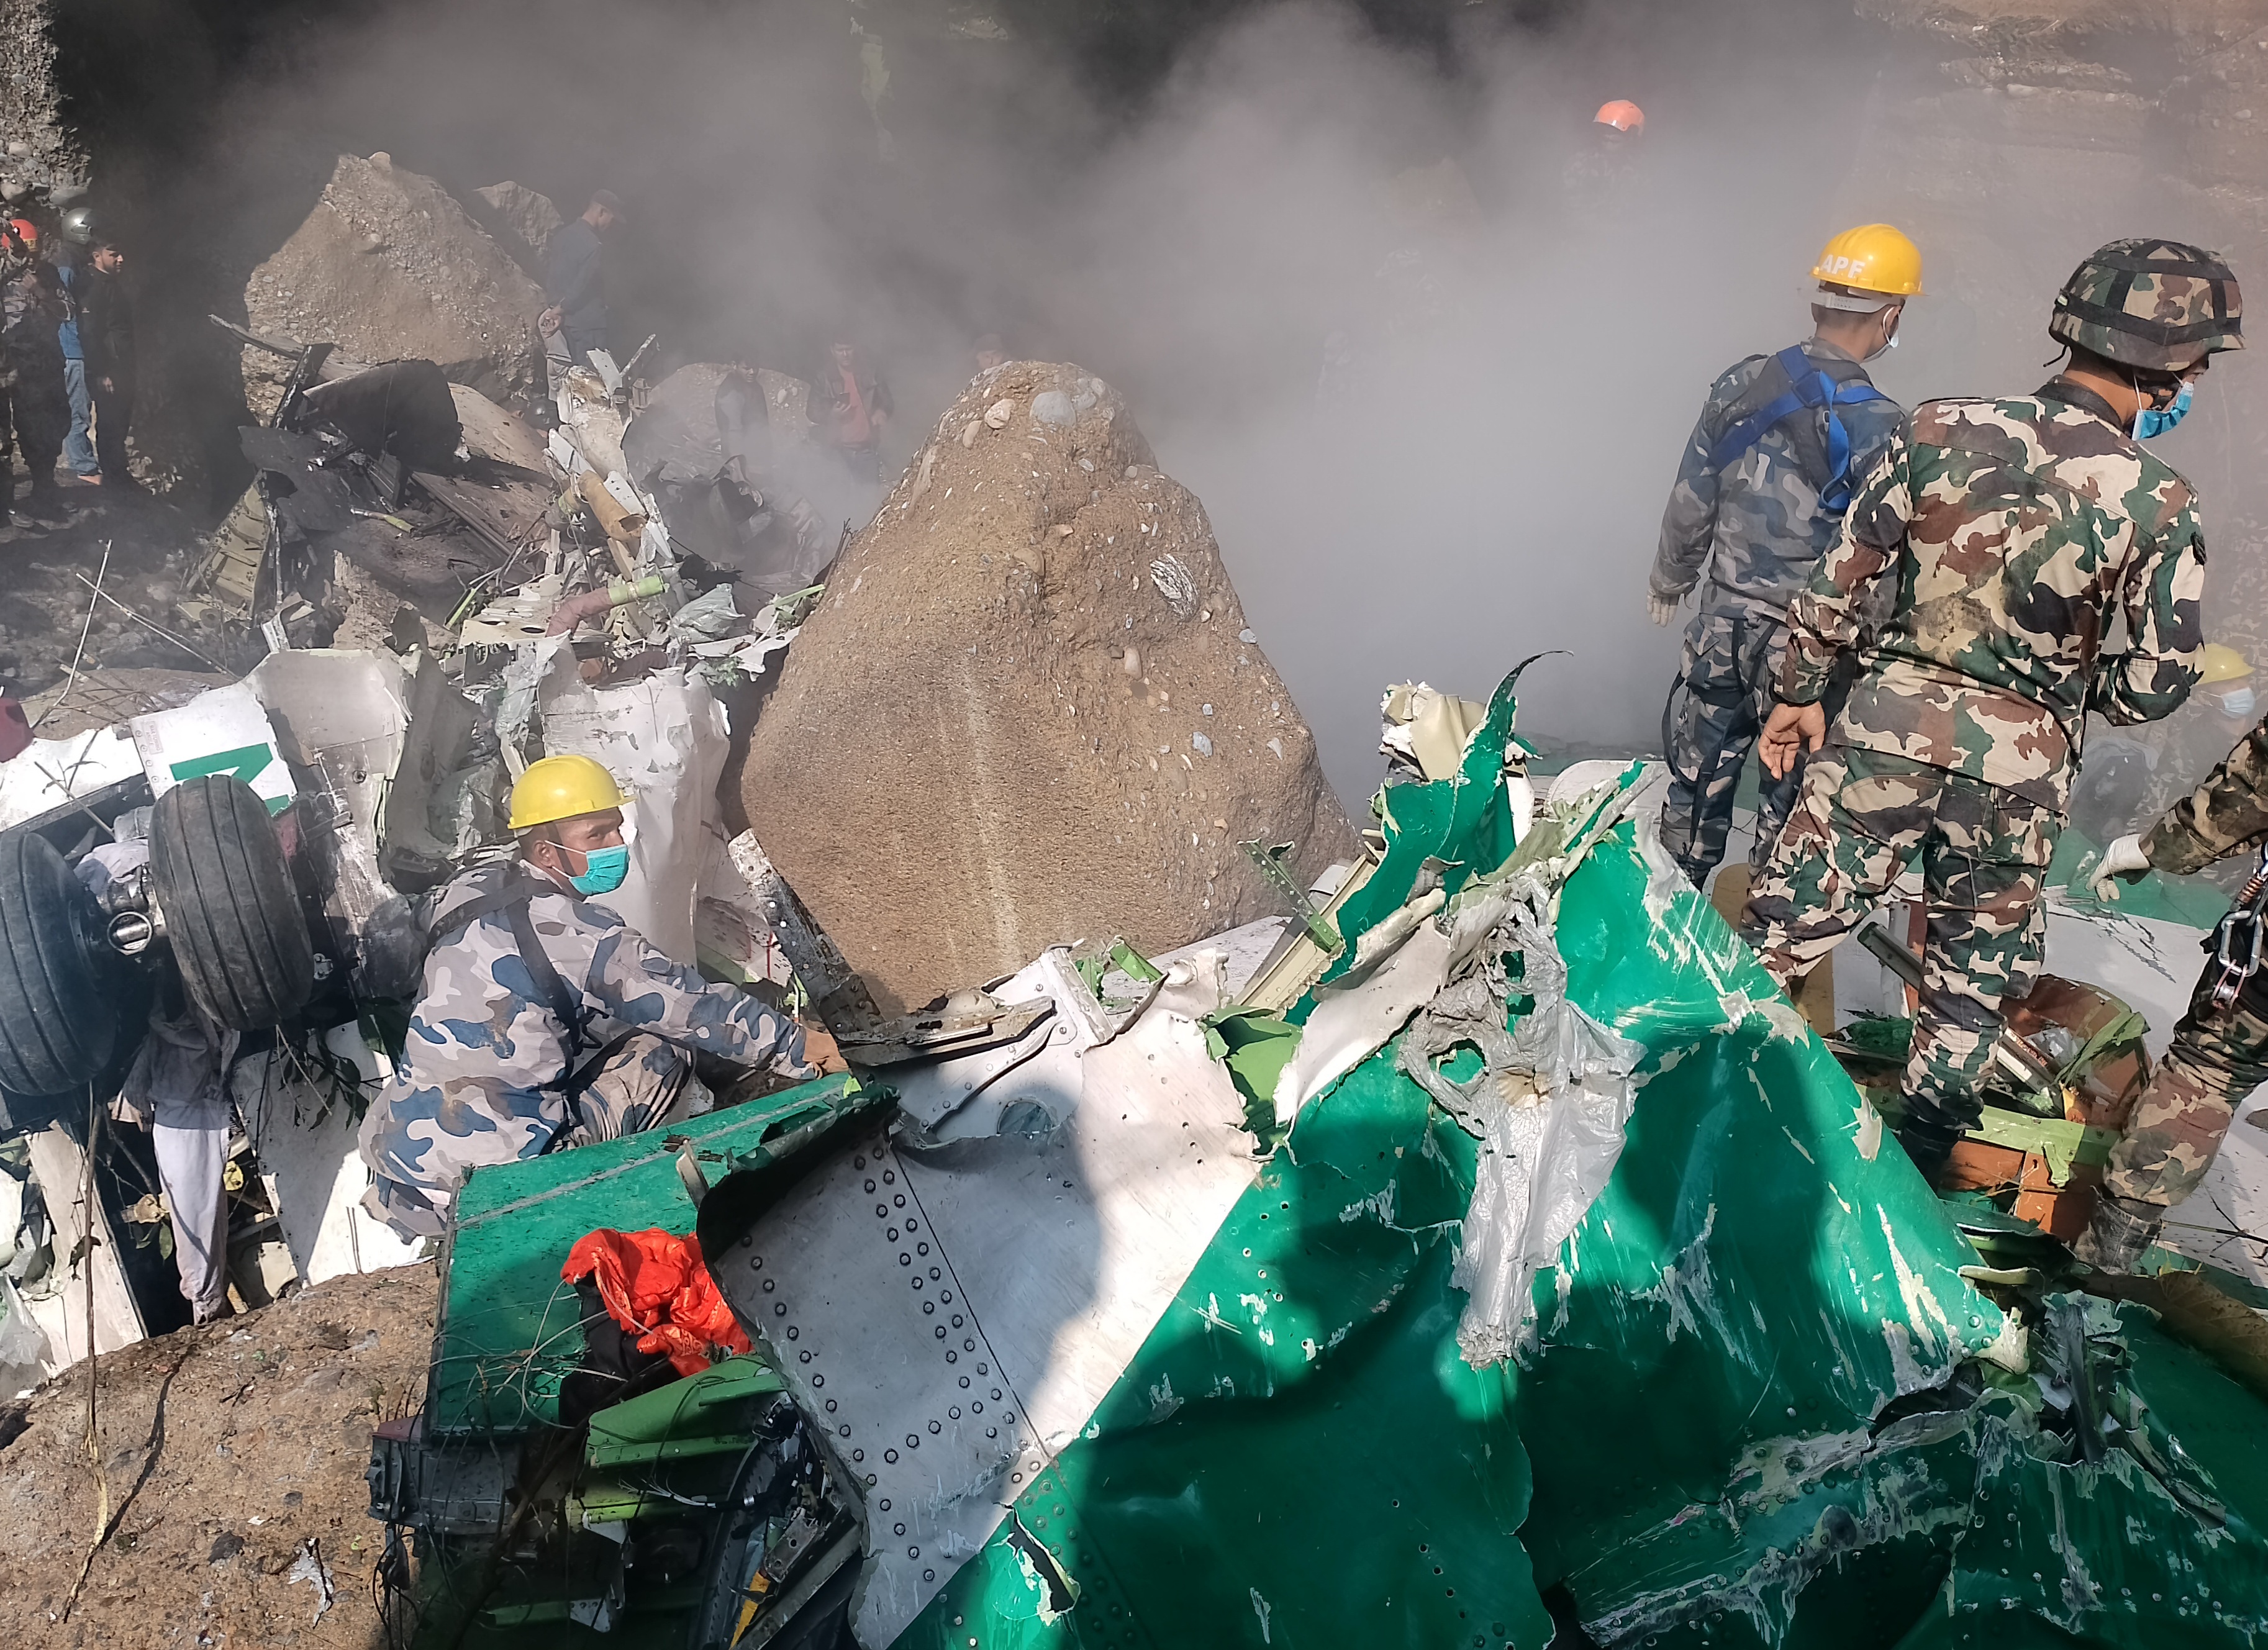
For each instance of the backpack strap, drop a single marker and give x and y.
(1811, 387)
(510, 900)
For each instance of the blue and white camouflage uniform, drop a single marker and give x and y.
(489, 1073)
(1750, 537)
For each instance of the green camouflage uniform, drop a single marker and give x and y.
(2216, 1058)
(31, 309)
(1753, 532)
(2011, 532)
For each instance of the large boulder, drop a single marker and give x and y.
(387, 266)
(1029, 709)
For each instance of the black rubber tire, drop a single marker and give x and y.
(58, 1016)
(240, 938)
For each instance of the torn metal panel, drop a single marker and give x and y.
(1300, 958)
(1354, 1014)
(342, 710)
(507, 511)
(1547, 1102)
(50, 774)
(225, 731)
(440, 740)
(1429, 728)
(1059, 1239)
(506, 1332)
(1758, 1250)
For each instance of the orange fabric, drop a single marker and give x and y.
(656, 1286)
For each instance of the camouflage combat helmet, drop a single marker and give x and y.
(2158, 304)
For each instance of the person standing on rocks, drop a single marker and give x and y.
(1763, 487)
(106, 331)
(33, 308)
(851, 405)
(69, 251)
(2007, 538)
(574, 278)
(19, 250)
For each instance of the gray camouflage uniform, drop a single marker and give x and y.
(1754, 533)
(489, 1074)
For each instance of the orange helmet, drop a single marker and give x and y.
(1622, 114)
(27, 231)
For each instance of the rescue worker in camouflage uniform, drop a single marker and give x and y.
(2219, 713)
(1763, 482)
(19, 246)
(545, 1021)
(2010, 532)
(2219, 1053)
(33, 308)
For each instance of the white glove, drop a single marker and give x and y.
(1660, 612)
(2123, 859)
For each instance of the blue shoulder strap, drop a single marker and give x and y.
(1809, 386)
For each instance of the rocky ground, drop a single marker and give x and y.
(44, 605)
(233, 1457)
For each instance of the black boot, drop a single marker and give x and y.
(1931, 1126)
(2121, 1229)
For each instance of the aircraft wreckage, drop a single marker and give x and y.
(1481, 1251)
(1486, 1255)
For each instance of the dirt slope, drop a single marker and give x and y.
(257, 1466)
(388, 266)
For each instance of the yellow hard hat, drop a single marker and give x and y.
(1871, 258)
(2223, 664)
(562, 787)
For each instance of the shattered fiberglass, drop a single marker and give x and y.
(1537, 1267)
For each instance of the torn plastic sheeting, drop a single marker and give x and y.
(663, 738)
(26, 1359)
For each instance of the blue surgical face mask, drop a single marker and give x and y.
(603, 870)
(2155, 421)
(2237, 703)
